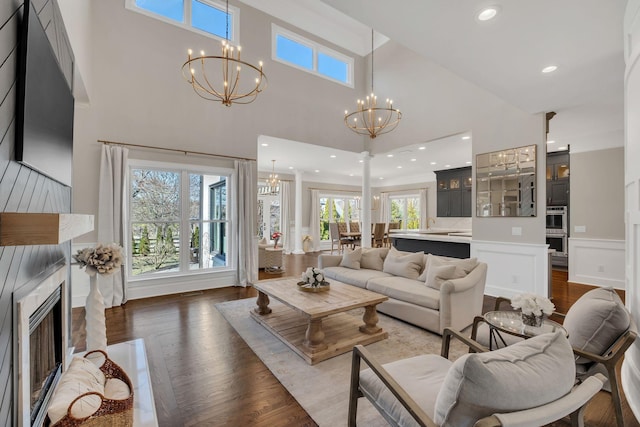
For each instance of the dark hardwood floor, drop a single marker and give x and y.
(204, 374)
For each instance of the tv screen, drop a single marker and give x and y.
(44, 105)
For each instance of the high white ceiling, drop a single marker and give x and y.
(505, 55)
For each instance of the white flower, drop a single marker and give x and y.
(533, 304)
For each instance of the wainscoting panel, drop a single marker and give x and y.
(23, 190)
(513, 268)
(597, 262)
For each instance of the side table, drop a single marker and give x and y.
(511, 323)
(273, 260)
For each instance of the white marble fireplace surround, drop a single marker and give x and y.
(25, 306)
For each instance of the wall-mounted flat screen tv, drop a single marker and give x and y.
(44, 104)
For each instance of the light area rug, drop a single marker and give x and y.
(323, 389)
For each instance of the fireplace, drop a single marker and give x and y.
(41, 346)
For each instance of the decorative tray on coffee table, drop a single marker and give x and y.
(306, 287)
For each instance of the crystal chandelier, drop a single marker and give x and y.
(273, 183)
(369, 118)
(217, 78)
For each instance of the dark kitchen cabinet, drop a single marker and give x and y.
(558, 169)
(454, 192)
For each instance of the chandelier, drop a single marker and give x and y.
(369, 118)
(273, 183)
(217, 78)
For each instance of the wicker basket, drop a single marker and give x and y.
(116, 413)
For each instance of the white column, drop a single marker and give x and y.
(365, 204)
(298, 215)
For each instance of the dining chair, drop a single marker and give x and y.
(334, 235)
(377, 241)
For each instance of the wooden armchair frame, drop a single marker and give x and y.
(572, 404)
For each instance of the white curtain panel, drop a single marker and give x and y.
(385, 208)
(112, 217)
(314, 221)
(247, 237)
(423, 208)
(285, 221)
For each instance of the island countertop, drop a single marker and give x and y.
(456, 237)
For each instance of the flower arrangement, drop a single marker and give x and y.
(103, 259)
(314, 277)
(275, 236)
(533, 308)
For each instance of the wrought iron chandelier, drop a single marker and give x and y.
(273, 183)
(217, 78)
(369, 118)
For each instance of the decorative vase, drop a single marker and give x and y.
(532, 320)
(94, 316)
(275, 245)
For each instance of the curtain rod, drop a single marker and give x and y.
(174, 150)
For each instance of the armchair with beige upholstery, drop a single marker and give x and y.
(530, 383)
(600, 330)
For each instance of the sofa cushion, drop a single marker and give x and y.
(352, 277)
(373, 258)
(438, 274)
(407, 290)
(465, 264)
(596, 320)
(524, 375)
(404, 264)
(351, 259)
(420, 376)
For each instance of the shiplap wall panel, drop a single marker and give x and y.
(22, 189)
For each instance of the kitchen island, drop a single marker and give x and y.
(452, 243)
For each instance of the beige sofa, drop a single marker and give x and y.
(428, 291)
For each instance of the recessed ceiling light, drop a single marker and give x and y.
(350, 174)
(264, 144)
(389, 155)
(549, 69)
(487, 13)
(447, 166)
(433, 163)
(551, 142)
(290, 167)
(381, 178)
(413, 160)
(466, 137)
(333, 156)
(361, 161)
(317, 171)
(468, 163)
(422, 148)
(399, 167)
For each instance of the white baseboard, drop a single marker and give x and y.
(513, 268)
(597, 262)
(178, 285)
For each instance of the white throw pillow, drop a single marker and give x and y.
(403, 264)
(438, 274)
(465, 264)
(373, 258)
(116, 389)
(351, 259)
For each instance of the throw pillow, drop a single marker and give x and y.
(373, 258)
(438, 274)
(351, 259)
(404, 264)
(116, 389)
(524, 375)
(465, 264)
(596, 320)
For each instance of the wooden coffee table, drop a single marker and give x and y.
(315, 325)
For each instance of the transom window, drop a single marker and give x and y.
(178, 222)
(406, 211)
(299, 52)
(207, 17)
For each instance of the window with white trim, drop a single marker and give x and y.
(405, 209)
(179, 220)
(337, 209)
(206, 17)
(304, 54)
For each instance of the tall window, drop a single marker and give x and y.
(178, 222)
(207, 17)
(337, 209)
(299, 52)
(268, 214)
(406, 211)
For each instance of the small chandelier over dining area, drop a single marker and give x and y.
(273, 183)
(369, 118)
(218, 77)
